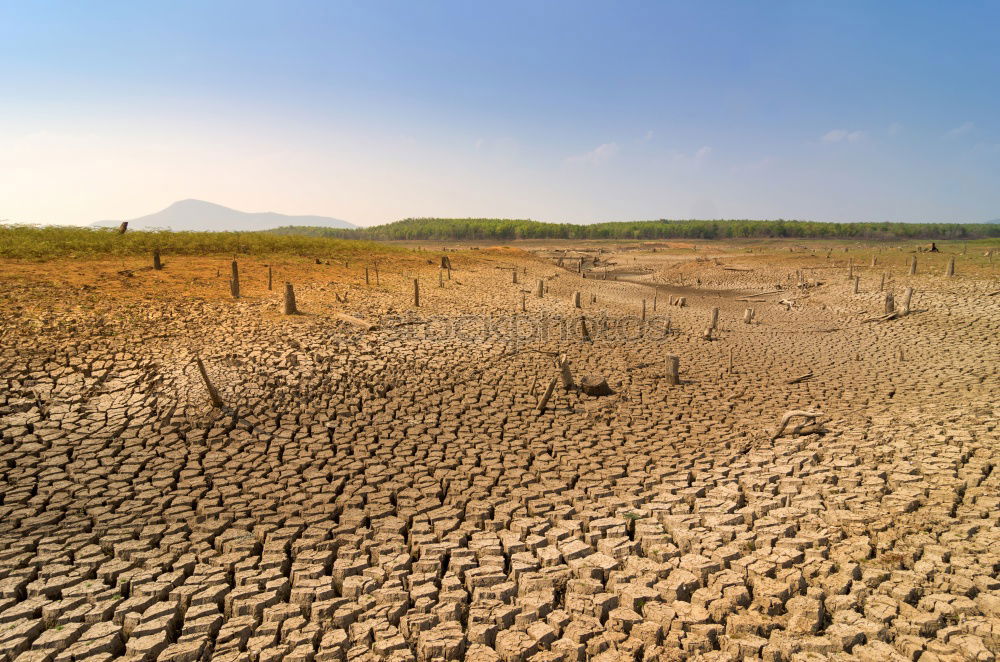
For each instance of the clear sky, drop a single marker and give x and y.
(376, 110)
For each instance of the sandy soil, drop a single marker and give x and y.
(396, 494)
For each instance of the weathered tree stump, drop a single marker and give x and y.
(445, 262)
(857, 284)
(416, 293)
(748, 316)
(595, 385)
(270, 278)
(950, 269)
(715, 318)
(564, 372)
(673, 369)
(913, 265)
(290, 307)
(890, 304)
(123, 227)
(234, 281)
(576, 300)
(907, 296)
(156, 259)
(540, 289)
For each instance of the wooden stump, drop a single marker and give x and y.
(156, 259)
(123, 227)
(673, 369)
(290, 308)
(907, 295)
(913, 265)
(416, 293)
(576, 300)
(643, 310)
(950, 269)
(857, 284)
(890, 304)
(715, 318)
(564, 373)
(234, 281)
(540, 289)
(445, 262)
(595, 385)
(748, 316)
(270, 278)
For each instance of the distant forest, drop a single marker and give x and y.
(511, 229)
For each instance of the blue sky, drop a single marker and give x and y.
(559, 111)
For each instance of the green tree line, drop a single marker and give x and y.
(513, 229)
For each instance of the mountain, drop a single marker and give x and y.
(199, 215)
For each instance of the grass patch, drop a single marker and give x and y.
(47, 242)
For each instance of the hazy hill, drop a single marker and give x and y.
(201, 215)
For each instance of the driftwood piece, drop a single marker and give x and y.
(544, 400)
(810, 421)
(800, 378)
(213, 394)
(356, 321)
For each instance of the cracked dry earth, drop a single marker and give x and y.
(395, 495)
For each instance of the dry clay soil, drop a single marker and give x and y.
(395, 494)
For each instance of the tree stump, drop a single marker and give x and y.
(595, 385)
(890, 304)
(234, 281)
(950, 269)
(290, 308)
(715, 318)
(913, 265)
(156, 259)
(416, 293)
(576, 300)
(907, 295)
(673, 369)
(540, 289)
(748, 316)
(564, 373)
